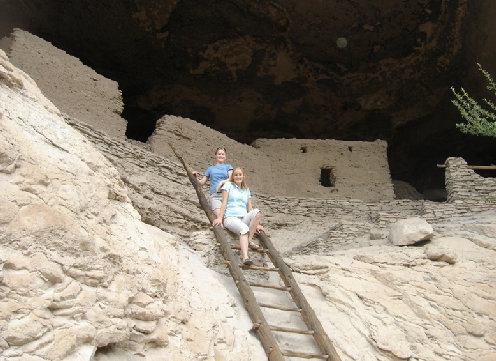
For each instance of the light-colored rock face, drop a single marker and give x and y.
(83, 278)
(410, 231)
(72, 86)
(394, 303)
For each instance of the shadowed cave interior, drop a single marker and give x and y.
(286, 69)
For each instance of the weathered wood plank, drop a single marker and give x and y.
(278, 307)
(267, 285)
(481, 167)
(291, 330)
(262, 250)
(299, 299)
(260, 268)
(304, 355)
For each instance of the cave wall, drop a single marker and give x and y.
(349, 70)
(329, 69)
(415, 148)
(333, 69)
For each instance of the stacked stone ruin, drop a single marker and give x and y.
(347, 223)
(343, 219)
(463, 185)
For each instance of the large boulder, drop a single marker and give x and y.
(410, 231)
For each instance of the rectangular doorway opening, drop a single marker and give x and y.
(327, 177)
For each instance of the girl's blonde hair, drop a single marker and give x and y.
(231, 177)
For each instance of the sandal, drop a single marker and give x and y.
(254, 247)
(248, 262)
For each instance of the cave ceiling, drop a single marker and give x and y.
(340, 69)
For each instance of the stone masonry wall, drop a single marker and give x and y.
(463, 185)
(328, 168)
(73, 87)
(161, 192)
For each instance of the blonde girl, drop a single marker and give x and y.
(237, 213)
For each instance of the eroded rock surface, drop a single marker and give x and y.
(82, 277)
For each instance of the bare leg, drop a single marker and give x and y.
(243, 243)
(253, 225)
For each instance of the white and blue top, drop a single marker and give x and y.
(237, 201)
(217, 173)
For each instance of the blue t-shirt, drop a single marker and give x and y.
(237, 200)
(217, 173)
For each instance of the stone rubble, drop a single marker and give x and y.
(409, 231)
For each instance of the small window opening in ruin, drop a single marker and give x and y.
(303, 149)
(350, 148)
(327, 177)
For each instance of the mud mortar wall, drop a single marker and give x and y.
(161, 192)
(463, 185)
(328, 168)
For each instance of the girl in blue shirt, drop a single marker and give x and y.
(218, 174)
(238, 213)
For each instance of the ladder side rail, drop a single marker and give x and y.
(264, 332)
(309, 315)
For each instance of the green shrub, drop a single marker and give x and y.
(480, 119)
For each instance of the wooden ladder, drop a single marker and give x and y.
(264, 330)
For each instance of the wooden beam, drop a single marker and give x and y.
(299, 299)
(304, 355)
(261, 250)
(486, 167)
(292, 330)
(260, 268)
(282, 308)
(267, 285)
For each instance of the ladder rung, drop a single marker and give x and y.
(292, 330)
(260, 268)
(304, 354)
(265, 285)
(282, 308)
(261, 250)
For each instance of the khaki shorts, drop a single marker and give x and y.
(215, 200)
(239, 225)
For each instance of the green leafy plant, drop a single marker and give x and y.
(480, 119)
